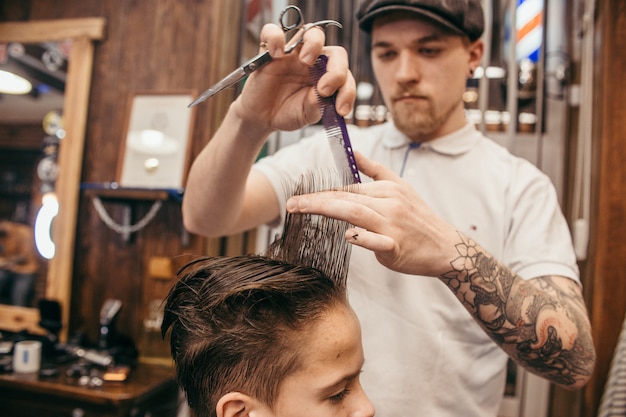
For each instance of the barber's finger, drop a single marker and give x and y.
(338, 78)
(312, 44)
(375, 242)
(339, 205)
(346, 96)
(273, 40)
(374, 170)
(323, 202)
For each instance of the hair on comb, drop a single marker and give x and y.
(313, 240)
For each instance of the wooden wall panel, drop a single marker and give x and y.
(608, 240)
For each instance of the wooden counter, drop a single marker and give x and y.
(150, 390)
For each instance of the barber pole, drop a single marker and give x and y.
(529, 18)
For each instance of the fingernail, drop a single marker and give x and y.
(277, 52)
(309, 59)
(326, 91)
(303, 203)
(297, 204)
(344, 110)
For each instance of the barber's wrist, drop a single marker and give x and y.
(455, 251)
(250, 122)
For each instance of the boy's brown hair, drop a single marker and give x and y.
(238, 324)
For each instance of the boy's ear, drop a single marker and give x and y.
(236, 404)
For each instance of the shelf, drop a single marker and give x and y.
(112, 191)
(127, 197)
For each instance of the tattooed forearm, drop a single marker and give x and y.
(541, 325)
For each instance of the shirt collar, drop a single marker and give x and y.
(455, 143)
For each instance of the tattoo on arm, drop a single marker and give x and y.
(541, 326)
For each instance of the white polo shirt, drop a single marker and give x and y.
(425, 355)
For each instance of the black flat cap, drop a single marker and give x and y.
(462, 16)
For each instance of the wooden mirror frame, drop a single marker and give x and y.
(83, 32)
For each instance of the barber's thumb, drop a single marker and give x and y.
(372, 169)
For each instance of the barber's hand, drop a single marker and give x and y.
(279, 96)
(391, 220)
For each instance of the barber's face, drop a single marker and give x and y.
(328, 383)
(422, 73)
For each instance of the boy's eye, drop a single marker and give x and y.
(339, 396)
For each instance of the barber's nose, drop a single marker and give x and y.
(407, 70)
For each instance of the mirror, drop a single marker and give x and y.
(81, 33)
(30, 127)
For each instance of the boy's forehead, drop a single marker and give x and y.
(330, 351)
(338, 330)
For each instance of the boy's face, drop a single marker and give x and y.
(328, 382)
(422, 70)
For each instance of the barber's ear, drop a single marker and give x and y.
(236, 404)
(476, 50)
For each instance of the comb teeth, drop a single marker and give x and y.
(334, 124)
(318, 68)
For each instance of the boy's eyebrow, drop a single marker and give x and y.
(341, 381)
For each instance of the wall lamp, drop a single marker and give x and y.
(11, 83)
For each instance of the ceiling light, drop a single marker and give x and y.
(13, 84)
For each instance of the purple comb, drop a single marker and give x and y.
(335, 127)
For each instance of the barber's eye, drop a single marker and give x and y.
(386, 55)
(429, 51)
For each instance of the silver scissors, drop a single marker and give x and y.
(300, 28)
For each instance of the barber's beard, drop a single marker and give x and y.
(420, 121)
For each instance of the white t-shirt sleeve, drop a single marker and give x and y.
(285, 167)
(539, 239)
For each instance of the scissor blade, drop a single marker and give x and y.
(228, 81)
(235, 76)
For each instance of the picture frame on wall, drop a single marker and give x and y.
(156, 149)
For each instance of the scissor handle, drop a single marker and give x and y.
(298, 36)
(289, 12)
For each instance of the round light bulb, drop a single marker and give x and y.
(13, 84)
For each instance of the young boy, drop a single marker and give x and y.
(270, 335)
